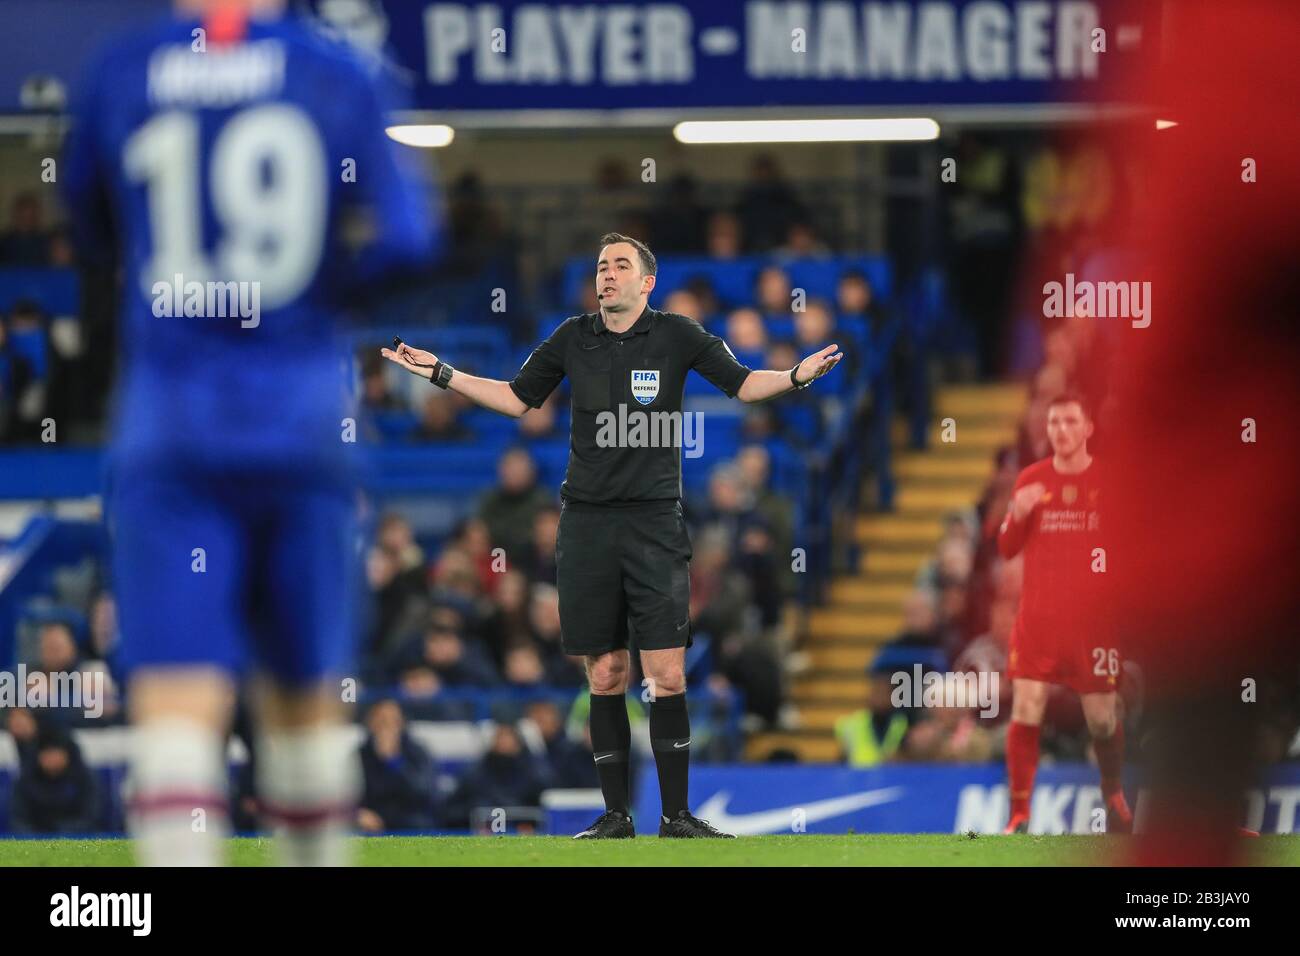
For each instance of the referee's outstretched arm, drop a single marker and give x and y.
(489, 392)
(763, 384)
(759, 385)
(621, 576)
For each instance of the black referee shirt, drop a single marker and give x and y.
(644, 371)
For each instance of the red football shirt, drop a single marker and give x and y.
(1062, 594)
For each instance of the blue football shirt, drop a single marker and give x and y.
(250, 186)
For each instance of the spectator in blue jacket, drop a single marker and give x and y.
(55, 791)
(571, 763)
(26, 243)
(444, 648)
(507, 777)
(814, 327)
(28, 330)
(544, 631)
(22, 727)
(399, 781)
(20, 388)
(747, 336)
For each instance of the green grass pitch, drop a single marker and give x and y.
(791, 850)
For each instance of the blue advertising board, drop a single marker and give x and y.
(514, 54)
(680, 55)
(923, 798)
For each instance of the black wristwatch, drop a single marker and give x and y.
(795, 382)
(441, 374)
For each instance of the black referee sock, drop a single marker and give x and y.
(611, 738)
(670, 736)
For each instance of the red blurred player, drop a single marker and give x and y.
(1060, 636)
(1202, 514)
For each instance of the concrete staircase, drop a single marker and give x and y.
(864, 609)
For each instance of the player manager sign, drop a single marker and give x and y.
(573, 55)
(522, 55)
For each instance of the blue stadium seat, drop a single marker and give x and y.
(789, 468)
(802, 423)
(879, 271)
(34, 347)
(552, 459)
(394, 425)
(733, 279)
(820, 277)
(549, 322)
(482, 348)
(894, 657)
(928, 306)
(817, 277)
(856, 327)
(435, 468)
(491, 426)
(57, 291)
(38, 612)
(780, 328)
(697, 384)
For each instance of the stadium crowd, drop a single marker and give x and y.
(466, 623)
(45, 371)
(959, 616)
(463, 624)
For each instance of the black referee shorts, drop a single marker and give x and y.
(623, 576)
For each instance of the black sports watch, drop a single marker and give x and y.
(795, 382)
(442, 373)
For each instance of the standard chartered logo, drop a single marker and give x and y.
(637, 429)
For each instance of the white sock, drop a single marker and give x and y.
(178, 794)
(309, 781)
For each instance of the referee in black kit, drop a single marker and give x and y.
(622, 551)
